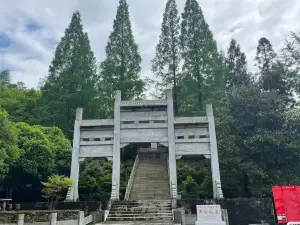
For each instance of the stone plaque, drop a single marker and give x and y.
(209, 214)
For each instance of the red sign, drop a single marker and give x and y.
(287, 203)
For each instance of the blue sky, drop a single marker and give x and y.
(31, 29)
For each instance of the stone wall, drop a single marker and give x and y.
(84, 206)
(241, 211)
(37, 217)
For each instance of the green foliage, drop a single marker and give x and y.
(8, 144)
(5, 78)
(122, 66)
(190, 186)
(39, 144)
(255, 143)
(40, 150)
(55, 188)
(194, 177)
(21, 104)
(165, 65)
(72, 79)
(95, 179)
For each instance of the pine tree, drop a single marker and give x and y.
(273, 74)
(72, 78)
(122, 66)
(291, 58)
(237, 66)
(266, 58)
(5, 78)
(265, 55)
(199, 52)
(167, 58)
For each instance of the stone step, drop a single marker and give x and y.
(141, 206)
(145, 178)
(148, 164)
(148, 181)
(154, 165)
(147, 188)
(143, 202)
(138, 218)
(138, 223)
(152, 176)
(149, 191)
(148, 198)
(141, 210)
(131, 207)
(137, 214)
(165, 202)
(153, 195)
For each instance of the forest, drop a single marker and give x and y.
(257, 113)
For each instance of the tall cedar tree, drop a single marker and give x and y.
(71, 80)
(237, 66)
(5, 78)
(291, 57)
(199, 53)
(167, 58)
(122, 66)
(272, 73)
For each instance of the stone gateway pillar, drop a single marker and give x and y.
(171, 144)
(73, 191)
(116, 148)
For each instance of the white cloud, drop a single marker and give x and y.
(30, 52)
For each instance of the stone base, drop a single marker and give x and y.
(210, 223)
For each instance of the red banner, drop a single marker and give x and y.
(287, 203)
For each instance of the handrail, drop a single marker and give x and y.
(172, 186)
(130, 181)
(218, 189)
(170, 183)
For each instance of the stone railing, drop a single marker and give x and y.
(106, 212)
(131, 178)
(173, 186)
(113, 195)
(170, 185)
(219, 189)
(69, 196)
(45, 218)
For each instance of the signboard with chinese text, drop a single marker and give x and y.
(287, 203)
(209, 213)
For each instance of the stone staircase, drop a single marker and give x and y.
(141, 212)
(149, 199)
(151, 180)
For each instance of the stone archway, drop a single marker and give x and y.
(145, 121)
